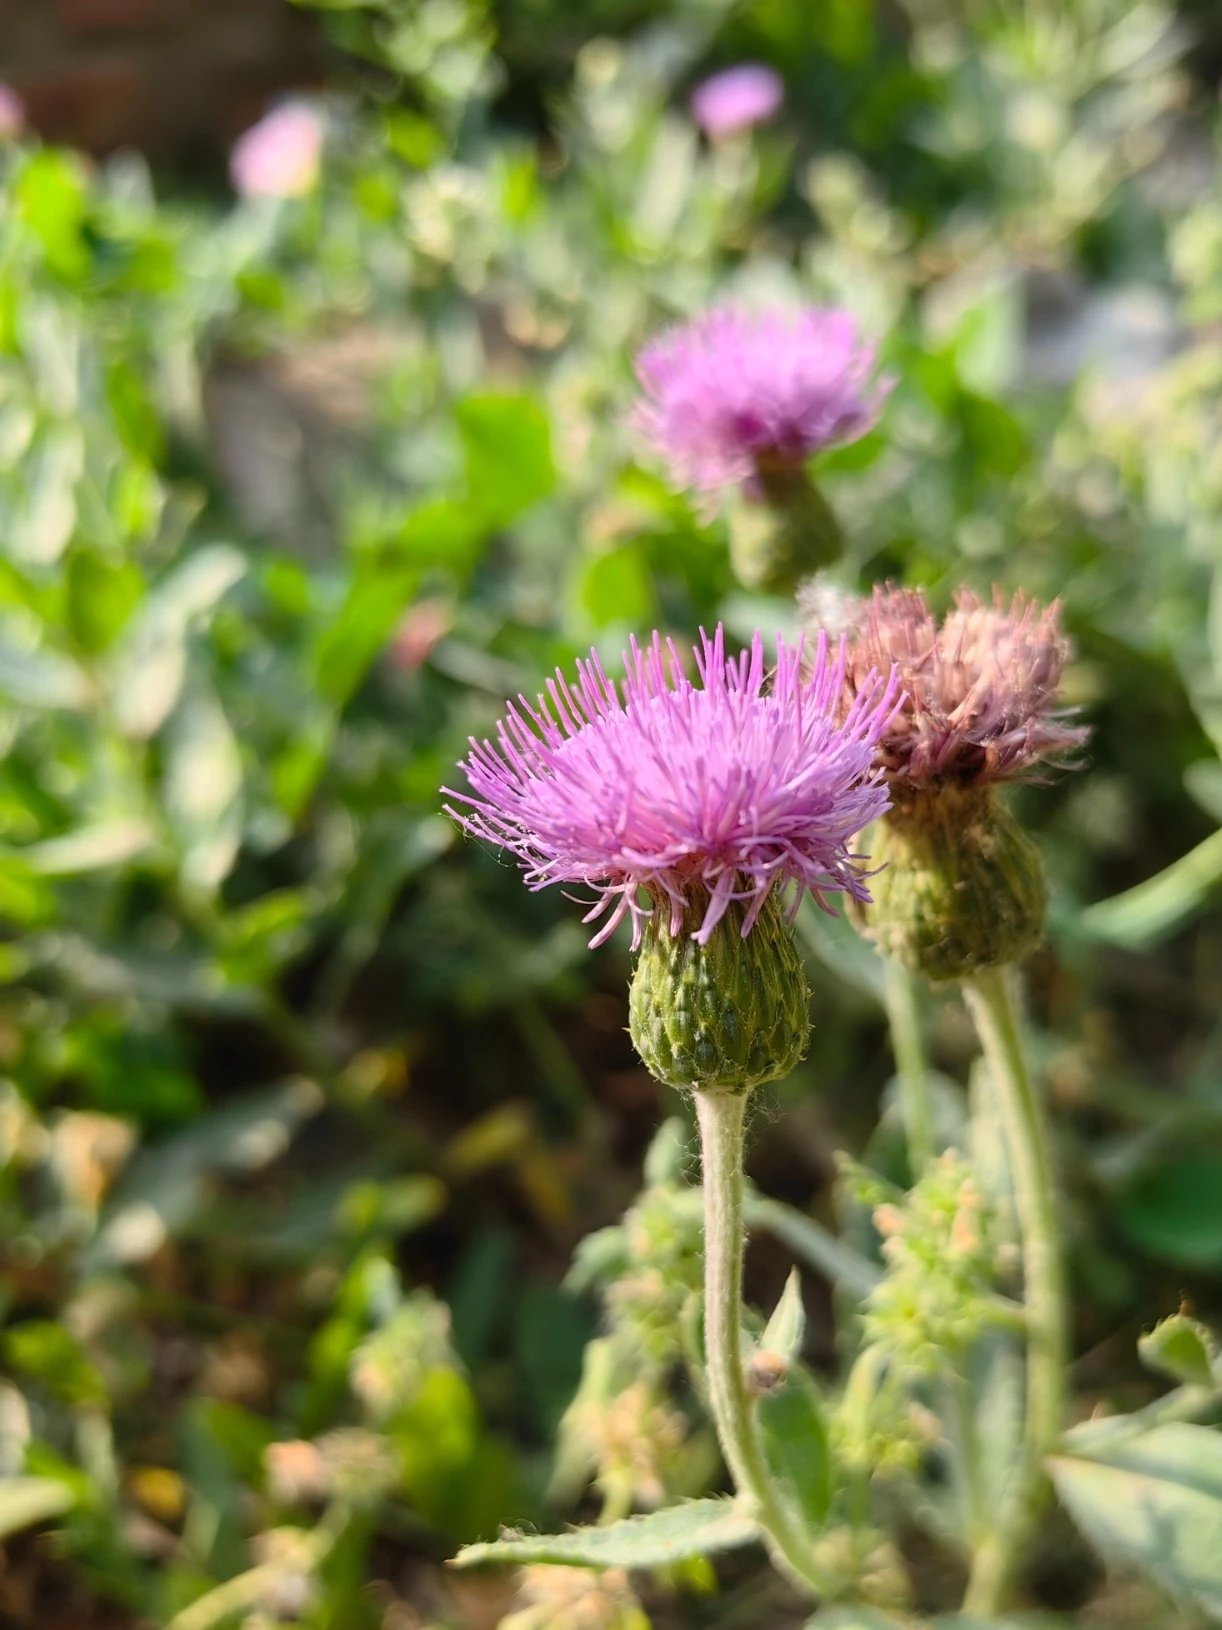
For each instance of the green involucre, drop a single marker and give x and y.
(962, 886)
(721, 1017)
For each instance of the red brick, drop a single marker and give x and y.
(84, 17)
(97, 105)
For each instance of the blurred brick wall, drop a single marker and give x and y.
(178, 78)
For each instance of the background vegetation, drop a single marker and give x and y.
(305, 1101)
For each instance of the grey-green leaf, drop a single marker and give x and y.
(1154, 1502)
(695, 1529)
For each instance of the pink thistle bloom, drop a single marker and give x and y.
(716, 791)
(734, 392)
(736, 99)
(12, 114)
(279, 157)
(979, 689)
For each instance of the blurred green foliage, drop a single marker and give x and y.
(304, 1102)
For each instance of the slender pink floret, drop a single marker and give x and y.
(736, 99)
(676, 790)
(735, 392)
(279, 157)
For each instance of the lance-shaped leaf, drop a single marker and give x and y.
(696, 1528)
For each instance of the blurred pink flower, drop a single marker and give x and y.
(279, 156)
(736, 99)
(419, 631)
(691, 794)
(12, 114)
(734, 390)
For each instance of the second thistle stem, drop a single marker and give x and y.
(989, 999)
(721, 1117)
(911, 1065)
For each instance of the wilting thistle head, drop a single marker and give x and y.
(736, 99)
(962, 886)
(707, 800)
(279, 156)
(980, 688)
(735, 394)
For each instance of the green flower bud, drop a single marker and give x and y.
(785, 534)
(721, 1017)
(962, 887)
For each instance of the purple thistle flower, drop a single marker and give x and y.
(980, 689)
(680, 791)
(736, 392)
(736, 99)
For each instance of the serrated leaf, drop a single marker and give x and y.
(1181, 1348)
(1154, 1502)
(796, 1443)
(785, 1329)
(693, 1529)
(25, 1501)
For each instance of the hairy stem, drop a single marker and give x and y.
(911, 1065)
(720, 1116)
(996, 1562)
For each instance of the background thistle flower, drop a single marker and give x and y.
(736, 396)
(737, 98)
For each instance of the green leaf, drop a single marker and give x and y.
(151, 662)
(507, 441)
(785, 1329)
(1181, 1348)
(41, 679)
(796, 1443)
(203, 789)
(616, 587)
(1145, 915)
(1154, 1503)
(695, 1528)
(1175, 1211)
(88, 849)
(375, 601)
(25, 1501)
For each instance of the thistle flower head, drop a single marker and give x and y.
(979, 689)
(736, 393)
(279, 156)
(736, 99)
(695, 795)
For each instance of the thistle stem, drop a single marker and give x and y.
(721, 1117)
(911, 1065)
(996, 1561)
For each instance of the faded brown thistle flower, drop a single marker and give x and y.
(960, 886)
(980, 689)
